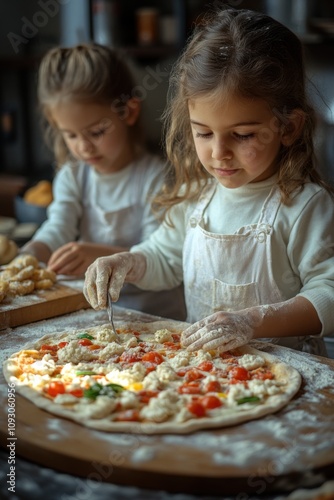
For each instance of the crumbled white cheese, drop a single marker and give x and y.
(105, 334)
(46, 365)
(159, 409)
(131, 342)
(169, 396)
(251, 361)
(135, 373)
(68, 368)
(237, 391)
(107, 367)
(180, 359)
(165, 372)
(35, 381)
(200, 357)
(183, 415)
(219, 363)
(128, 399)
(263, 387)
(163, 335)
(151, 382)
(74, 352)
(64, 399)
(111, 349)
(101, 407)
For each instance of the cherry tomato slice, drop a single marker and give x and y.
(196, 408)
(94, 347)
(174, 346)
(85, 342)
(193, 374)
(55, 388)
(213, 386)
(210, 402)
(205, 366)
(190, 388)
(47, 347)
(182, 371)
(239, 373)
(145, 396)
(130, 356)
(153, 357)
(78, 393)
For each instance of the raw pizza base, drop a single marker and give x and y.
(286, 375)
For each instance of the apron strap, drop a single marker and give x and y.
(197, 214)
(268, 214)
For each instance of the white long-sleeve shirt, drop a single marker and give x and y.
(302, 242)
(79, 189)
(111, 209)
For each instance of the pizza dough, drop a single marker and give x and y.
(149, 383)
(23, 276)
(8, 249)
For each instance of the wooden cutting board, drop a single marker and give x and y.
(43, 304)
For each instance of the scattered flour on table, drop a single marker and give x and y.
(20, 301)
(143, 454)
(315, 374)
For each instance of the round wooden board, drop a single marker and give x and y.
(187, 463)
(274, 452)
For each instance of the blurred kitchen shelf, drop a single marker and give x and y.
(150, 52)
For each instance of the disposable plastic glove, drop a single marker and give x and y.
(108, 274)
(222, 331)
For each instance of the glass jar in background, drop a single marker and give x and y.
(147, 20)
(105, 17)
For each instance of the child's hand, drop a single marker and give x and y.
(222, 331)
(73, 258)
(108, 274)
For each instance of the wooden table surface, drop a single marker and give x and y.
(273, 453)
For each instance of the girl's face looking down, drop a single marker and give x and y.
(96, 134)
(237, 140)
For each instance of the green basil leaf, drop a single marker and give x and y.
(85, 372)
(85, 336)
(93, 391)
(116, 387)
(248, 399)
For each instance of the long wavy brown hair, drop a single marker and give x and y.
(87, 73)
(251, 55)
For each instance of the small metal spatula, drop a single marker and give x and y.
(110, 316)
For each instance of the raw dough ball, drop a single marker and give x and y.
(21, 287)
(4, 287)
(43, 284)
(25, 260)
(8, 250)
(23, 274)
(44, 274)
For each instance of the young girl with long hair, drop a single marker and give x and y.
(106, 179)
(249, 221)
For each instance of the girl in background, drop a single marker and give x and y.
(249, 221)
(106, 180)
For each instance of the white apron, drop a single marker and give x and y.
(234, 271)
(122, 227)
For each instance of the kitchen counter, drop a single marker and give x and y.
(265, 458)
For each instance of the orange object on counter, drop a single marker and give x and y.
(40, 194)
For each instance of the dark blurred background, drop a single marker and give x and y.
(28, 29)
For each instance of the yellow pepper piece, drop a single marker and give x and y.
(222, 394)
(136, 386)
